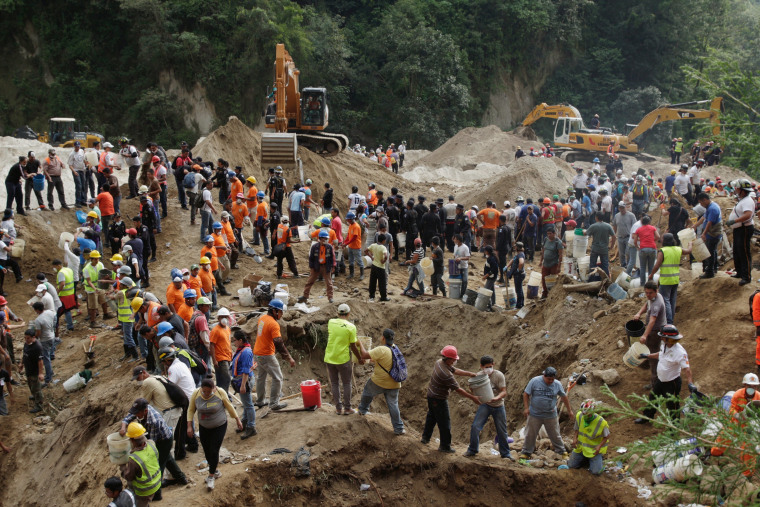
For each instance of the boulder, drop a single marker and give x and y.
(609, 377)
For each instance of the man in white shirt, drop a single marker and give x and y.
(462, 256)
(579, 183)
(207, 210)
(741, 221)
(132, 157)
(606, 207)
(179, 373)
(682, 182)
(401, 153)
(41, 295)
(354, 199)
(672, 359)
(76, 164)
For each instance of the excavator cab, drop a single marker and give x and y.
(565, 126)
(313, 107)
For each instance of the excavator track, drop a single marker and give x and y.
(323, 143)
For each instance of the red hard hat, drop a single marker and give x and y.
(155, 159)
(3, 301)
(571, 224)
(450, 351)
(131, 231)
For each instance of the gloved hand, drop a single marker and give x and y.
(730, 222)
(692, 388)
(643, 356)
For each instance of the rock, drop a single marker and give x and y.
(609, 377)
(311, 442)
(615, 308)
(600, 313)
(620, 344)
(551, 455)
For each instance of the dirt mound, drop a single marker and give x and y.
(472, 146)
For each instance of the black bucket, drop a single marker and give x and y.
(634, 329)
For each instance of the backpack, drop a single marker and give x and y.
(189, 180)
(176, 394)
(198, 365)
(398, 367)
(199, 202)
(751, 299)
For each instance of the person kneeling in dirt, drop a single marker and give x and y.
(493, 408)
(120, 497)
(382, 382)
(540, 401)
(441, 384)
(591, 436)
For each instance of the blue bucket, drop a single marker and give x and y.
(38, 182)
(81, 216)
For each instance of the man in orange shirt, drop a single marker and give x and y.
(284, 251)
(250, 198)
(229, 233)
(221, 349)
(236, 186)
(371, 198)
(739, 401)
(223, 250)
(354, 243)
(210, 249)
(105, 204)
(261, 223)
(208, 282)
(489, 219)
(175, 294)
(268, 342)
(187, 309)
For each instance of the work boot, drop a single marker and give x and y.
(134, 353)
(350, 272)
(126, 353)
(361, 273)
(245, 425)
(249, 432)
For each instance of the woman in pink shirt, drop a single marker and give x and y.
(646, 238)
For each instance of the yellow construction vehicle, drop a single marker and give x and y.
(298, 116)
(571, 132)
(64, 132)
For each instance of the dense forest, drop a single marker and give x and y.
(418, 70)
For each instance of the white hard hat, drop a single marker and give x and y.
(107, 145)
(506, 203)
(223, 312)
(344, 309)
(750, 379)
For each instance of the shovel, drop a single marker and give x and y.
(90, 353)
(248, 250)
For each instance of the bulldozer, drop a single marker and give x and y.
(298, 117)
(571, 132)
(63, 132)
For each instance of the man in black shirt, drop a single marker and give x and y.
(409, 225)
(437, 279)
(32, 168)
(274, 222)
(394, 220)
(327, 198)
(13, 186)
(490, 273)
(503, 244)
(421, 209)
(430, 226)
(32, 363)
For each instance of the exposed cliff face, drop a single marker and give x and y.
(199, 111)
(513, 93)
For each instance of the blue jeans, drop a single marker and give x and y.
(157, 214)
(603, 258)
(711, 263)
(623, 249)
(355, 257)
(633, 254)
(647, 256)
(126, 330)
(595, 464)
(143, 346)
(464, 272)
(205, 224)
(413, 276)
(500, 421)
(391, 399)
(117, 203)
(669, 294)
(80, 187)
(246, 398)
(48, 349)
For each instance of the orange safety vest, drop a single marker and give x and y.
(102, 162)
(283, 235)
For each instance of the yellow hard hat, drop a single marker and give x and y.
(137, 303)
(250, 179)
(92, 214)
(672, 171)
(94, 254)
(117, 257)
(135, 429)
(205, 260)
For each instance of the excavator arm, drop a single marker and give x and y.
(545, 111)
(673, 112)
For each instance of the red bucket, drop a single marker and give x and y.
(311, 392)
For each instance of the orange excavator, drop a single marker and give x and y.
(571, 132)
(298, 116)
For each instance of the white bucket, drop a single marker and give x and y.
(631, 357)
(427, 266)
(281, 287)
(624, 280)
(282, 296)
(512, 295)
(485, 292)
(17, 250)
(697, 267)
(616, 291)
(568, 266)
(569, 235)
(65, 236)
(366, 341)
(303, 232)
(535, 279)
(245, 296)
(580, 243)
(677, 450)
(482, 301)
(74, 383)
(699, 250)
(118, 448)
(678, 470)
(455, 288)
(367, 261)
(480, 385)
(401, 238)
(583, 263)
(686, 237)
(551, 281)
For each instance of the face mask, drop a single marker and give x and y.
(488, 371)
(750, 392)
(139, 382)
(186, 277)
(223, 321)
(118, 223)
(240, 201)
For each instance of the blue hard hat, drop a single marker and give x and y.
(260, 194)
(163, 327)
(276, 304)
(208, 238)
(350, 216)
(596, 160)
(592, 187)
(326, 221)
(231, 174)
(176, 273)
(217, 225)
(189, 293)
(324, 234)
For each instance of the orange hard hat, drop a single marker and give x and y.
(547, 200)
(450, 352)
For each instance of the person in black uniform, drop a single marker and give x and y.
(409, 226)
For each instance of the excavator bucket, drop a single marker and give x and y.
(278, 149)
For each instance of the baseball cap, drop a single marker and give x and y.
(621, 204)
(137, 370)
(139, 405)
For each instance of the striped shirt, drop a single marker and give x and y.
(442, 382)
(154, 424)
(421, 255)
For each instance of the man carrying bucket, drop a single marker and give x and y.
(341, 341)
(492, 408)
(656, 320)
(672, 360)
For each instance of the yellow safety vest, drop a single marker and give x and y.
(124, 308)
(150, 480)
(590, 435)
(671, 260)
(91, 272)
(68, 282)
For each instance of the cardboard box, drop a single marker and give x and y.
(252, 281)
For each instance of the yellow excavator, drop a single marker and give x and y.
(63, 132)
(571, 132)
(298, 116)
